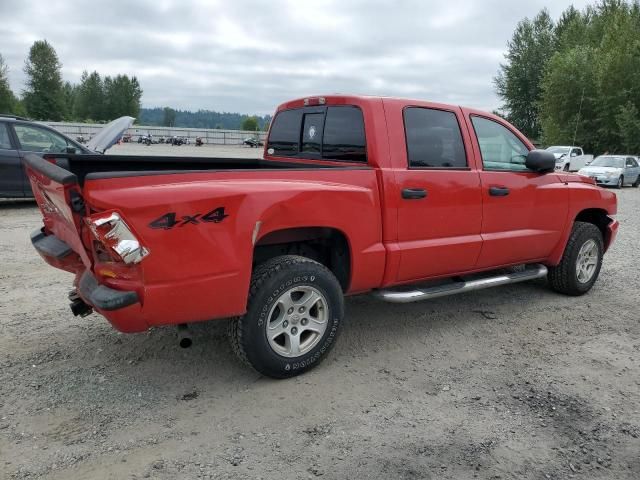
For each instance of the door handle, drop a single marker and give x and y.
(413, 193)
(498, 191)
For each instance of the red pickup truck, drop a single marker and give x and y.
(408, 199)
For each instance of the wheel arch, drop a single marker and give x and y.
(595, 215)
(600, 218)
(329, 246)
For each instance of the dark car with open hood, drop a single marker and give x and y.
(20, 137)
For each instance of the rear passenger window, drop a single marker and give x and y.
(433, 139)
(344, 135)
(285, 133)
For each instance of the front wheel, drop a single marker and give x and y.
(581, 262)
(294, 313)
(620, 182)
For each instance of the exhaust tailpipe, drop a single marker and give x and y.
(184, 336)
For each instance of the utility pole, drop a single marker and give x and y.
(575, 131)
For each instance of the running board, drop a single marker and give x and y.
(397, 296)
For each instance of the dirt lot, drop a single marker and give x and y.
(509, 383)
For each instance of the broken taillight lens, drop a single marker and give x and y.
(112, 231)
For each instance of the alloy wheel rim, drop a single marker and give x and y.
(587, 261)
(297, 321)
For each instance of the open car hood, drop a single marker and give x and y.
(108, 135)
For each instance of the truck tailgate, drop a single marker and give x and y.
(57, 192)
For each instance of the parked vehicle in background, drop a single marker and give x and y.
(570, 159)
(199, 142)
(19, 137)
(253, 142)
(614, 170)
(126, 138)
(354, 194)
(177, 141)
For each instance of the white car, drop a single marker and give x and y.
(569, 159)
(614, 170)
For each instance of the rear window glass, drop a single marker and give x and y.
(433, 139)
(344, 135)
(312, 133)
(284, 135)
(332, 133)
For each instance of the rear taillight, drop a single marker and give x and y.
(112, 231)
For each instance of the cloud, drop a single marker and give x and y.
(250, 56)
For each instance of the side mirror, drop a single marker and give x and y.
(574, 154)
(540, 161)
(71, 150)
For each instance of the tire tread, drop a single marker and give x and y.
(261, 274)
(561, 277)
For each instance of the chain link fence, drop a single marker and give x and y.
(208, 135)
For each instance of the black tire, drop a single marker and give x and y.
(620, 183)
(270, 280)
(566, 168)
(563, 278)
(636, 184)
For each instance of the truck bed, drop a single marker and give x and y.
(91, 167)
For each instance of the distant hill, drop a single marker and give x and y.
(199, 119)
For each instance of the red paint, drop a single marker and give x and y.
(202, 272)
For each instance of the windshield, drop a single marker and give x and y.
(615, 162)
(558, 149)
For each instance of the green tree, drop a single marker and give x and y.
(519, 79)
(90, 99)
(7, 98)
(43, 96)
(628, 121)
(250, 124)
(122, 96)
(568, 105)
(70, 93)
(590, 87)
(169, 119)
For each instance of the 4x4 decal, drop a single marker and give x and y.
(169, 220)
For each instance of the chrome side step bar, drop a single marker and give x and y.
(398, 296)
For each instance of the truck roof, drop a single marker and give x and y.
(340, 98)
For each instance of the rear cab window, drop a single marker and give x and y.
(334, 132)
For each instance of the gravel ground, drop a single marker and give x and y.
(514, 382)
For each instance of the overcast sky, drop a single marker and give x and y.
(249, 56)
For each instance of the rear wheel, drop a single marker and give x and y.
(581, 262)
(294, 312)
(636, 184)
